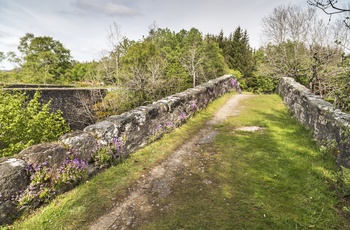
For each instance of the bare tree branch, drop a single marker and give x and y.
(330, 7)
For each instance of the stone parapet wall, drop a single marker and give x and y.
(135, 128)
(119, 135)
(330, 126)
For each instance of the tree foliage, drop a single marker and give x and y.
(44, 58)
(2, 57)
(160, 64)
(237, 51)
(300, 45)
(163, 63)
(24, 123)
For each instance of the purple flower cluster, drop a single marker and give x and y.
(233, 82)
(170, 125)
(71, 170)
(157, 129)
(75, 163)
(118, 145)
(194, 105)
(182, 116)
(235, 85)
(38, 173)
(43, 185)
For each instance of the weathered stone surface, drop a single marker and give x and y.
(83, 144)
(51, 154)
(8, 212)
(13, 180)
(104, 131)
(326, 122)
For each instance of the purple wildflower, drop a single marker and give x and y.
(36, 167)
(235, 85)
(194, 104)
(118, 145)
(182, 116)
(233, 82)
(158, 128)
(170, 124)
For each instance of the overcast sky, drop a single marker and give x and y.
(81, 25)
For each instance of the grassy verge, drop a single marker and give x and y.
(275, 178)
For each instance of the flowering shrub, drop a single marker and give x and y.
(108, 155)
(38, 187)
(45, 183)
(71, 171)
(104, 157)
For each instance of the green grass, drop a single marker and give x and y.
(271, 179)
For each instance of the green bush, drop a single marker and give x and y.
(261, 84)
(116, 102)
(24, 123)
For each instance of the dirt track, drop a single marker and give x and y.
(144, 197)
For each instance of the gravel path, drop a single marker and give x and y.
(143, 198)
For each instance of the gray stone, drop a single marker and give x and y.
(13, 180)
(83, 144)
(51, 154)
(104, 131)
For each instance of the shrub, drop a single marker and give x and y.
(262, 84)
(24, 123)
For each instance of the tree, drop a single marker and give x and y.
(110, 63)
(214, 64)
(331, 7)
(236, 51)
(192, 54)
(302, 46)
(2, 57)
(143, 71)
(44, 58)
(299, 44)
(171, 46)
(13, 58)
(338, 85)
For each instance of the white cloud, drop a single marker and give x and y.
(108, 7)
(80, 25)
